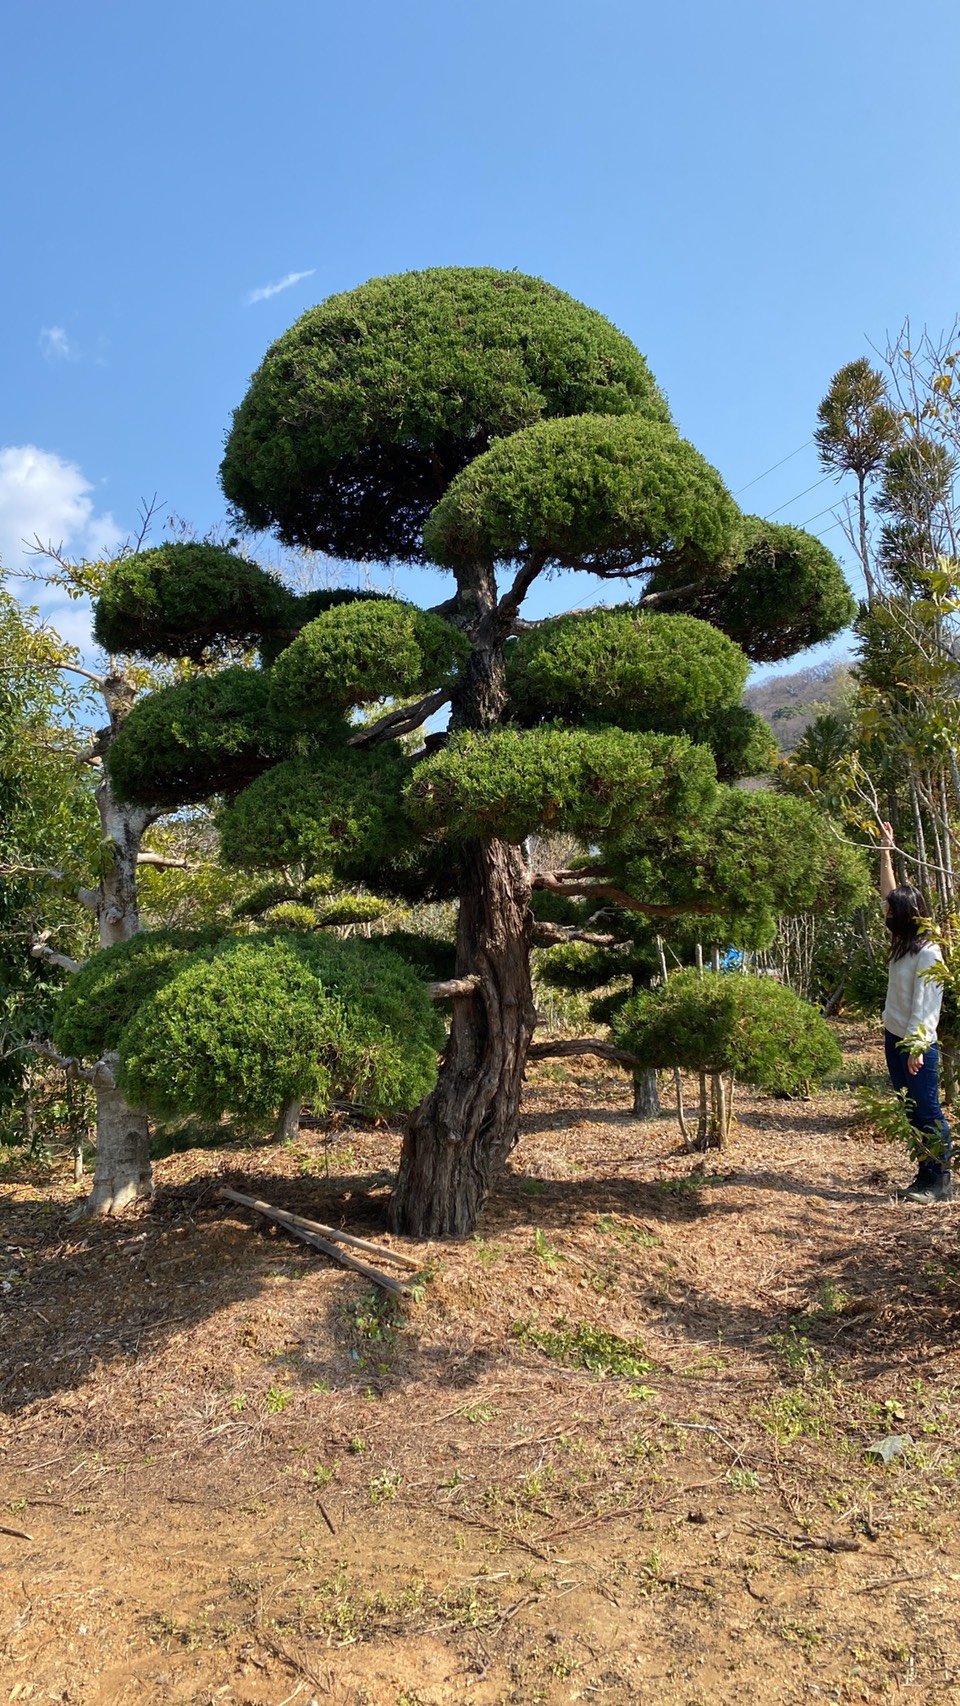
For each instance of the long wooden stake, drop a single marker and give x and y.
(384, 1251)
(290, 1225)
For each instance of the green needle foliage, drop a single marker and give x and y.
(242, 1026)
(189, 600)
(784, 593)
(356, 654)
(600, 492)
(509, 783)
(396, 386)
(723, 1022)
(214, 733)
(340, 810)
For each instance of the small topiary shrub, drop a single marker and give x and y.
(750, 1026)
(98, 1001)
(243, 1025)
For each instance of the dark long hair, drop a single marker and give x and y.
(907, 912)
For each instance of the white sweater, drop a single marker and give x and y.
(913, 1001)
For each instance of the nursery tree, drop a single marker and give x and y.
(491, 425)
(732, 1027)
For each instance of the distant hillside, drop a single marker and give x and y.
(789, 703)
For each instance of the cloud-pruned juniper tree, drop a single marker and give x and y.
(490, 424)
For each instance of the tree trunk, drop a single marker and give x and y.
(288, 1125)
(646, 1097)
(458, 1139)
(122, 1172)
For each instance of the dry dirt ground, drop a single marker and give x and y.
(231, 1473)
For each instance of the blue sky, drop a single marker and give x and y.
(750, 190)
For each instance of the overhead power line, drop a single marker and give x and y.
(772, 470)
(802, 494)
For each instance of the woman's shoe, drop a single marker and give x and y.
(927, 1190)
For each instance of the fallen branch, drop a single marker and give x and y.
(17, 1533)
(454, 986)
(290, 1224)
(399, 1256)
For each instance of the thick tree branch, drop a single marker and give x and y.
(454, 986)
(548, 935)
(511, 601)
(99, 1075)
(651, 600)
(403, 721)
(584, 1045)
(41, 950)
(167, 862)
(576, 883)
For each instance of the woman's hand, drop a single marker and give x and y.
(886, 837)
(914, 1063)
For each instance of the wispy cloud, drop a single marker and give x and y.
(56, 345)
(265, 291)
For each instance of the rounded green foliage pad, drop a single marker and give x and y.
(605, 493)
(188, 600)
(362, 413)
(209, 735)
(725, 1022)
(358, 653)
(510, 782)
(340, 809)
(638, 669)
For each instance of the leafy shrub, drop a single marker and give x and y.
(242, 1025)
(750, 1026)
(355, 654)
(186, 600)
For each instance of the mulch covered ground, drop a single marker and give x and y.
(613, 1450)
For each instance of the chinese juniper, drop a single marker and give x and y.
(488, 423)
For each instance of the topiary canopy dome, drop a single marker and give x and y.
(365, 410)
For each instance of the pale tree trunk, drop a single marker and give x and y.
(122, 1173)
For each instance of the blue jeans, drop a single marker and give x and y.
(923, 1104)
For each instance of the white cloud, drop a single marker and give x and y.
(56, 345)
(265, 291)
(43, 497)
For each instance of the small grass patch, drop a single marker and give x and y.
(579, 1345)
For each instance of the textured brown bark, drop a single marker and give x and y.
(458, 1139)
(646, 1097)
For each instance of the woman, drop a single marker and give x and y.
(910, 1018)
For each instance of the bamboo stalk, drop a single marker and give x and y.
(290, 1223)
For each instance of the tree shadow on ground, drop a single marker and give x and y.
(104, 1295)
